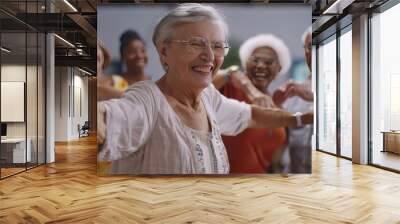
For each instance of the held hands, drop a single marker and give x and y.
(263, 100)
(101, 123)
(291, 89)
(238, 79)
(241, 81)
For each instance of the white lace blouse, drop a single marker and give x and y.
(145, 136)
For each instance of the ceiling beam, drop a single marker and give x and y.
(82, 61)
(86, 27)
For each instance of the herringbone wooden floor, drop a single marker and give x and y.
(69, 191)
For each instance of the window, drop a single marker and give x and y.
(346, 93)
(327, 96)
(385, 88)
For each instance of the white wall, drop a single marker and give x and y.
(71, 94)
(62, 81)
(13, 73)
(80, 110)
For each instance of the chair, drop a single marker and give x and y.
(84, 130)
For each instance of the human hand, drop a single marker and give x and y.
(263, 101)
(307, 118)
(242, 81)
(279, 96)
(297, 89)
(101, 123)
(290, 89)
(238, 79)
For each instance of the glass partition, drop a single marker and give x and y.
(13, 105)
(41, 96)
(31, 98)
(22, 87)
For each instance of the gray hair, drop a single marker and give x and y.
(186, 13)
(307, 32)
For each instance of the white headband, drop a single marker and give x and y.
(266, 40)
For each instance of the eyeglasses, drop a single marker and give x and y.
(196, 45)
(268, 62)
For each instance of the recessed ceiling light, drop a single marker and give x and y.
(70, 5)
(337, 7)
(86, 72)
(65, 41)
(5, 50)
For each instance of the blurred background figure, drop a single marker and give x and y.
(105, 89)
(298, 97)
(264, 57)
(307, 41)
(134, 59)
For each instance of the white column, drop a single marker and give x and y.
(360, 90)
(50, 93)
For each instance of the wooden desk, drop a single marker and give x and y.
(391, 141)
(13, 150)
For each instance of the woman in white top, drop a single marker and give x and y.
(174, 126)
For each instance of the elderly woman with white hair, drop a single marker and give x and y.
(264, 57)
(291, 88)
(174, 125)
(298, 97)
